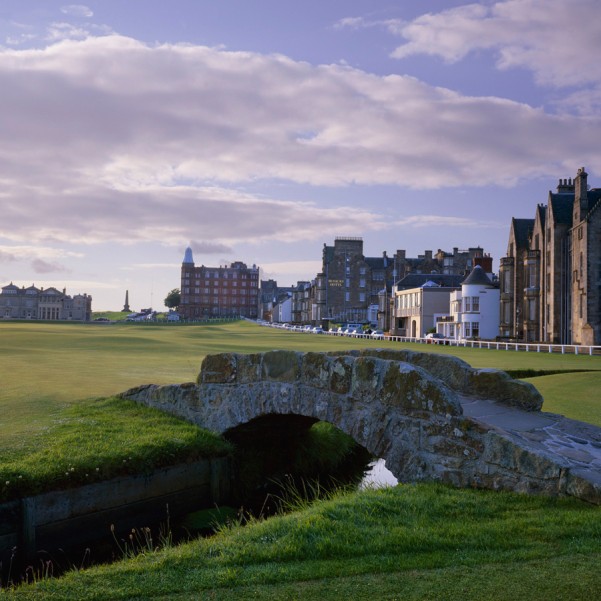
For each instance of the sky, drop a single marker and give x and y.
(260, 131)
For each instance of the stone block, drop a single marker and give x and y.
(365, 378)
(316, 370)
(499, 386)
(218, 369)
(341, 375)
(282, 366)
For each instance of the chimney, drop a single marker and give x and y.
(580, 196)
(565, 186)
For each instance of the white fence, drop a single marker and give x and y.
(532, 347)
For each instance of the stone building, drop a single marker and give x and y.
(551, 276)
(49, 304)
(354, 288)
(224, 291)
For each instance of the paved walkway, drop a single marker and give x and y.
(567, 442)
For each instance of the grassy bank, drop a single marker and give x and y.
(101, 440)
(408, 542)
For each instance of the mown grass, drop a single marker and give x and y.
(46, 367)
(421, 541)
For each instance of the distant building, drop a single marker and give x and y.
(224, 291)
(474, 309)
(418, 300)
(49, 304)
(354, 288)
(551, 276)
(271, 295)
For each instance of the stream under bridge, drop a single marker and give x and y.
(429, 416)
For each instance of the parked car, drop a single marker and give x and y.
(435, 338)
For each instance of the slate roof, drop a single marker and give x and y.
(377, 262)
(563, 207)
(415, 280)
(521, 231)
(478, 277)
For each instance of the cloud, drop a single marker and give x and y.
(111, 139)
(209, 248)
(290, 270)
(557, 40)
(40, 266)
(77, 10)
(65, 31)
(446, 221)
(28, 253)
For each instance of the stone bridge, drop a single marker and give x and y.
(429, 416)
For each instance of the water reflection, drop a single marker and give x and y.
(378, 476)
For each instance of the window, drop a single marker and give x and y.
(362, 297)
(475, 329)
(467, 304)
(347, 283)
(476, 304)
(532, 310)
(347, 296)
(362, 283)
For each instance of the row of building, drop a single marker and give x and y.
(548, 285)
(548, 288)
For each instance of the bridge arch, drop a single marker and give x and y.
(429, 416)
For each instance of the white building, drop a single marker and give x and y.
(474, 310)
(282, 310)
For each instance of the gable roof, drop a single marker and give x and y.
(562, 206)
(521, 231)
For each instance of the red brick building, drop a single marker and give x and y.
(224, 291)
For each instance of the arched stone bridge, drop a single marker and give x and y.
(430, 416)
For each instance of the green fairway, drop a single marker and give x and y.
(46, 366)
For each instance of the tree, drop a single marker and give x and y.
(173, 299)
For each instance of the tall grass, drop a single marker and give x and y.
(421, 541)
